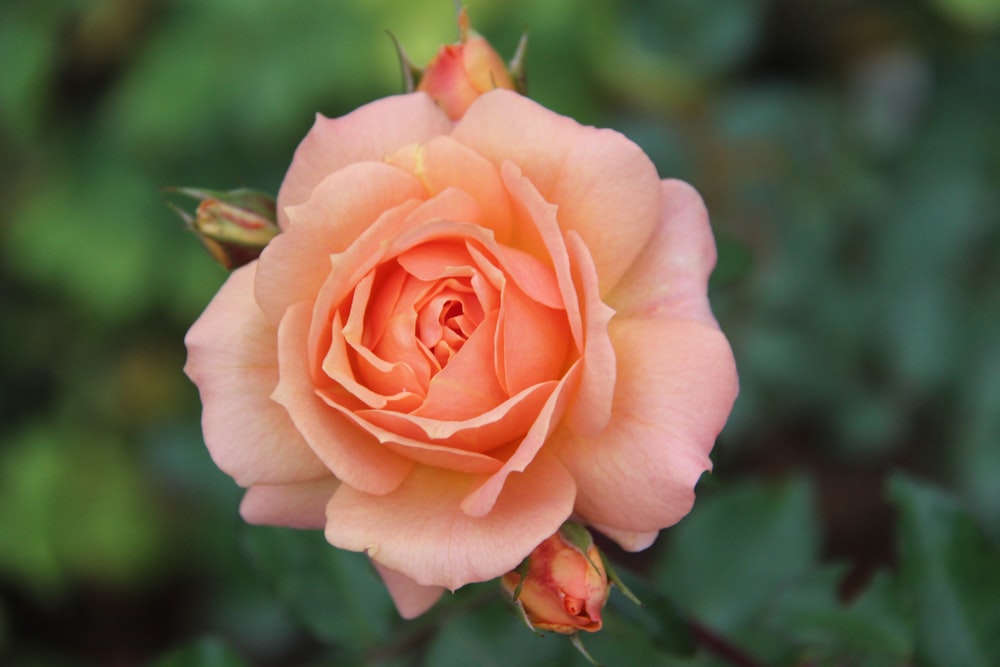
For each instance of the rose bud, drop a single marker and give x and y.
(234, 226)
(562, 586)
(461, 72)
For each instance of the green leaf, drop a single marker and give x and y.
(206, 652)
(824, 631)
(979, 14)
(740, 548)
(658, 617)
(951, 577)
(336, 594)
(72, 505)
(494, 636)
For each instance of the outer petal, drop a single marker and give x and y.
(368, 133)
(627, 540)
(670, 277)
(604, 185)
(411, 598)
(299, 505)
(419, 530)
(445, 163)
(351, 454)
(233, 358)
(502, 125)
(609, 193)
(676, 386)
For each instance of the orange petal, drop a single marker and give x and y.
(233, 359)
(438, 456)
(351, 454)
(481, 499)
(444, 163)
(591, 410)
(676, 386)
(611, 198)
(420, 531)
(484, 432)
(368, 133)
(532, 341)
(533, 211)
(343, 206)
(411, 598)
(504, 126)
(670, 277)
(468, 385)
(301, 505)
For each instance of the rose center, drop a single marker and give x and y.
(446, 317)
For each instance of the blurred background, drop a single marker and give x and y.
(849, 154)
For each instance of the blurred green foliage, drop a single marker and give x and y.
(849, 153)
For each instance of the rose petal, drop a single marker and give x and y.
(609, 194)
(670, 277)
(411, 598)
(676, 386)
(468, 385)
(420, 531)
(403, 394)
(296, 263)
(443, 163)
(368, 133)
(590, 411)
(538, 141)
(232, 358)
(532, 341)
(627, 540)
(420, 451)
(351, 454)
(535, 212)
(421, 224)
(480, 500)
(604, 186)
(300, 505)
(481, 433)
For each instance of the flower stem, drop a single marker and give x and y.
(720, 646)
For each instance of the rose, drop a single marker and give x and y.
(465, 333)
(561, 587)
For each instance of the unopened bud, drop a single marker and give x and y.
(234, 226)
(562, 586)
(461, 72)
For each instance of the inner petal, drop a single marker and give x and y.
(446, 317)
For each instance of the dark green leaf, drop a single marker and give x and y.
(202, 653)
(739, 549)
(951, 577)
(336, 594)
(495, 636)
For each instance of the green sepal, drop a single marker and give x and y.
(524, 617)
(411, 73)
(517, 67)
(615, 579)
(522, 571)
(578, 645)
(577, 536)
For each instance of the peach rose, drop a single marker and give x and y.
(466, 333)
